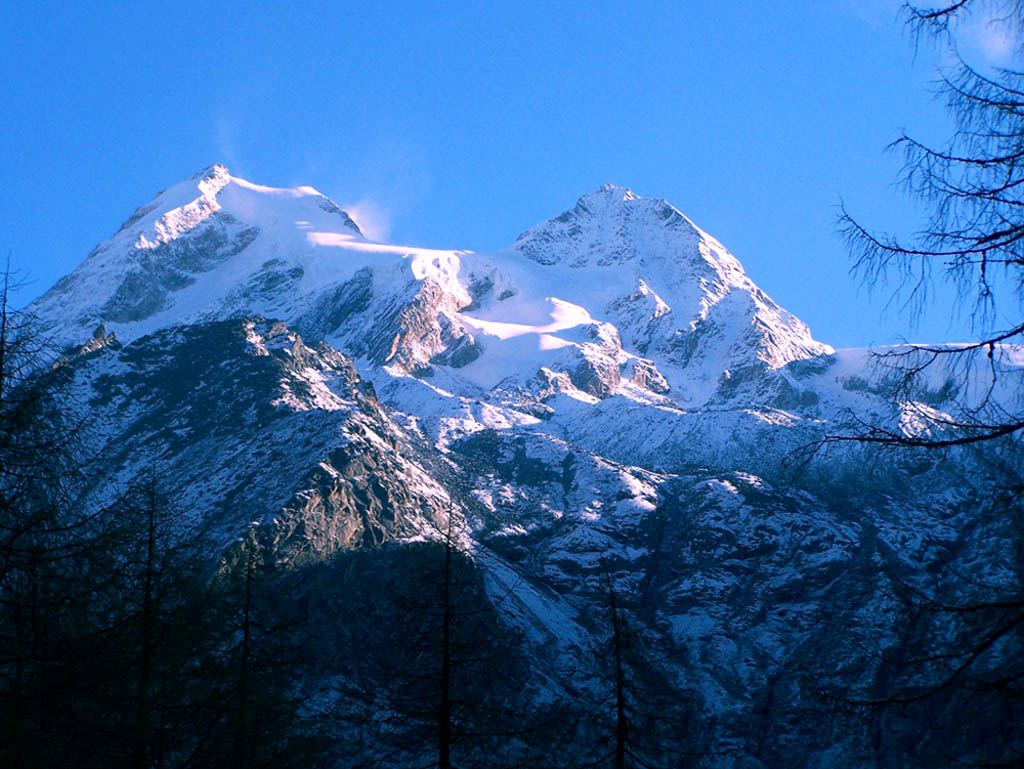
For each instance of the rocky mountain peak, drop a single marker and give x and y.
(615, 279)
(608, 193)
(213, 178)
(612, 225)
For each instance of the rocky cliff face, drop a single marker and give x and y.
(247, 425)
(609, 400)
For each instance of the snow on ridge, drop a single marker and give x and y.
(181, 208)
(181, 219)
(190, 246)
(660, 275)
(620, 294)
(632, 333)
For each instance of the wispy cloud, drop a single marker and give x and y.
(226, 138)
(983, 32)
(875, 12)
(988, 34)
(391, 178)
(372, 217)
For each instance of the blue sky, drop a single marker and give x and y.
(454, 124)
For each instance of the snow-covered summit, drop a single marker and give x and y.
(621, 295)
(178, 210)
(674, 293)
(609, 226)
(191, 242)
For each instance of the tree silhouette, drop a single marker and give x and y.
(974, 239)
(262, 663)
(118, 644)
(644, 720)
(961, 633)
(49, 544)
(431, 674)
(948, 684)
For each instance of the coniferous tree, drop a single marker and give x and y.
(643, 718)
(436, 677)
(47, 542)
(265, 667)
(119, 644)
(961, 634)
(973, 239)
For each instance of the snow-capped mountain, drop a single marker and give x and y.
(621, 297)
(609, 394)
(615, 279)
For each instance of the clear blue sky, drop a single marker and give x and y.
(460, 124)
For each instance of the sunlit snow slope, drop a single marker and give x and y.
(618, 324)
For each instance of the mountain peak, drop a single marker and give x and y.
(610, 225)
(211, 171)
(212, 179)
(157, 261)
(611, 192)
(617, 269)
